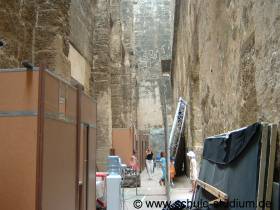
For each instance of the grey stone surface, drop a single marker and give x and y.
(113, 72)
(153, 27)
(226, 64)
(81, 26)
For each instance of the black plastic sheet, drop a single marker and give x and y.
(231, 164)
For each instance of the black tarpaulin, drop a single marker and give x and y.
(231, 164)
(275, 197)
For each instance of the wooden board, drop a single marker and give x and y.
(89, 109)
(262, 164)
(213, 190)
(21, 91)
(51, 94)
(18, 148)
(59, 166)
(122, 141)
(271, 162)
(71, 102)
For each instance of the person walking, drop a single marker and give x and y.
(172, 171)
(163, 168)
(149, 161)
(193, 169)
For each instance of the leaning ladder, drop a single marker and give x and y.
(177, 127)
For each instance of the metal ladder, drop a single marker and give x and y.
(174, 138)
(177, 127)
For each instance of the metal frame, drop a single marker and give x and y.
(78, 140)
(60, 117)
(172, 135)
(18, 114)
(21, 69)
(40, 138)
(175, 123)
(86, 166)
(262, 164)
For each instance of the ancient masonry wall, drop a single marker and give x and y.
(101, 73)
(123, 73)
(112, 71)
(152, 42)
(38, 32)
(81, 40)
(226, 63)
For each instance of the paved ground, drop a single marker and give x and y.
(151, 190)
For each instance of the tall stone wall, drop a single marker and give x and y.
(82, 25)
(35, 31)
(152, 42)
(102, 80)
(123, 74)
(226, 63)
(112, 72)
(81, 22)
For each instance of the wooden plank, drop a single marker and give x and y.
(213, 190)
(271, 162)
(277, 164)
(262, 164)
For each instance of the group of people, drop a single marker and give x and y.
(150, 166)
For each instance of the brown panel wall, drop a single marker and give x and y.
(88, 109)
(59, 165)
(18, 151)
(20, 91)
(123, 143)
(60, 143)
(71, 102)
(18, 162)
(51, 94)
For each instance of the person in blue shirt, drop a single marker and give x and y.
(163, 168)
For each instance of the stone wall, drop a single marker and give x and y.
(102, 80)
(113, 73)
(38, 32)
(153, 31)
(81, 38)
(123, 74)
(226, 64)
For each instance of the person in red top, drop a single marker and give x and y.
(133, 163)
